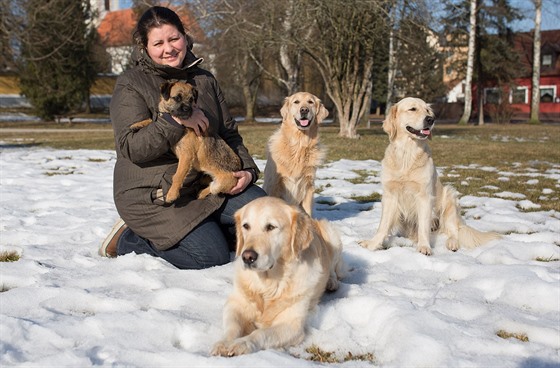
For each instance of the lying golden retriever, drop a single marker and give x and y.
(293, 151)
(285, 262)
(414, 201)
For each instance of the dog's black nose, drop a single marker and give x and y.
(429, 120)
(249, 256)
(304, 110)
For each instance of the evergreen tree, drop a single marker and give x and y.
(57, 68)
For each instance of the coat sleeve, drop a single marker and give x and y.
(229, 132)
(129, 106)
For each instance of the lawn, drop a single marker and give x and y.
(476, 160)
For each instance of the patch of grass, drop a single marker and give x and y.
(507, 335)
(549, 259)
(373, 197)
(316, 354)
(10, 256)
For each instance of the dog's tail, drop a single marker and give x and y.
(470, 237)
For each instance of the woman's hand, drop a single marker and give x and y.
(244, 178)
(197, 122)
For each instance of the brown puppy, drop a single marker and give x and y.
(206, 153)
(293, 151)
(414, 201)
(285, 262)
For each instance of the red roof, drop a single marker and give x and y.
(117, 27)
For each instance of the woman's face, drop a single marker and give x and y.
(167, 46)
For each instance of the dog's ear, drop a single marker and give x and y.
(165, 90)
(301, 232)
(322, 112)
(284, 111)
(238, 233)
(390, 123)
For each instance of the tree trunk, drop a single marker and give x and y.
(470, 63)
(392, 67)
(535, 87)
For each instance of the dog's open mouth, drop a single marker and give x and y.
(422, 134)
(303, 122)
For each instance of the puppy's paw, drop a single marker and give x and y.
(371, 244)
(426, 250)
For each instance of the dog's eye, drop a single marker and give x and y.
(246, 226)
(270, 227)
(177, 98)
(296, 102)
(412, 109)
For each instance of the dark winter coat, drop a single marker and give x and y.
(145, 163)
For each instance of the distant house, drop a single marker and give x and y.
(519, 96)
(116, 28)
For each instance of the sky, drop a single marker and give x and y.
(62, 305)
(550, 14)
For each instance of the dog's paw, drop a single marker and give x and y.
(426, 250)
(332, 283)
(241, 346)
(371, 244)
(452, 244)
(220, 349)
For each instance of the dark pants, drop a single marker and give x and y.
(207, 245)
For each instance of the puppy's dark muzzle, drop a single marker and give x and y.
(249, 257)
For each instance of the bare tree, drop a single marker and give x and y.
(237, 30)
(392, 66)
(343, 49)
(535, 87)
(470, 64)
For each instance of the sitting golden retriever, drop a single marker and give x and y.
(285, 262)
(414, 201)
(293, 151)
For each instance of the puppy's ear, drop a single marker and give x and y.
(322, 112)
(390, 123)
(285, 108)
(238, 233)
(301, 232)
(165, 90)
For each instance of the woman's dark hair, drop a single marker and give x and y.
(154, 17)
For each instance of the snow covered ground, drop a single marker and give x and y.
(62, 305)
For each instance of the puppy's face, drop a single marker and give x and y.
(304, 110)
(178, 99)
(269, 231)
(410, 116)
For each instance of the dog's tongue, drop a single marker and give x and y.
(304, 122)
(426, 132)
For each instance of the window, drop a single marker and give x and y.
(519, 95)
(547, 60)
(548, 93)
(492, 95)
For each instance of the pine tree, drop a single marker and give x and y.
(57, 68)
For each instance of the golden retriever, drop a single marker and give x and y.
(285, 262)
(414, 201)
(293, 151)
